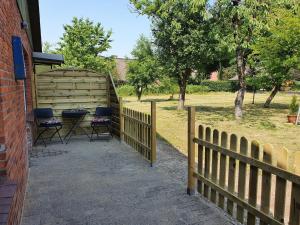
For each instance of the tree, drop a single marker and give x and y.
(82, 43)
(246, 21)
(277, 53)
(179, 32)
(144, 69)
(48, 48)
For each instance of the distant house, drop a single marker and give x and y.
(214, 76)
(122, 67)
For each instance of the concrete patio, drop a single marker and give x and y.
(106, 182)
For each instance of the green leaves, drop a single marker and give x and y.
(277, 53)
(82, 43)
(143, 70)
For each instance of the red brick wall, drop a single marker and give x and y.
(12, 114)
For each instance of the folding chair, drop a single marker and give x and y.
(102, 119)
(45, 120)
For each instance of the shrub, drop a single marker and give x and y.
(296, 86)
(294, 106)
(126, 90)
(222, 85)
(191, 89)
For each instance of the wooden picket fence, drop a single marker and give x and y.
(249, 188)
(139, 131)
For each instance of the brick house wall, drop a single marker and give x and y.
(13, 119)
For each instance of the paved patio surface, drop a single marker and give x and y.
(108, 183)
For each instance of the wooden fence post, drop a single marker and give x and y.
(191, 151)
(121, 119)
(108, 91)
(153, 132)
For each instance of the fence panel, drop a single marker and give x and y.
(139, 131)
(249, 186)
(62, 89)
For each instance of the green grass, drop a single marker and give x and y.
(217, 110)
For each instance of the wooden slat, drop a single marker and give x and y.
(280, 192)
(231, 172)
(242, 178)
(136, 120)
(207, 162)
(191, 151)
(266, 182)
(214, 170)
(153, 134)
(244, 204)
(223, 168)
(254, 162)
(200, 159)
(253, 180)
(137, 132)
(295, 205)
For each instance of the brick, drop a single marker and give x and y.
(12, 115)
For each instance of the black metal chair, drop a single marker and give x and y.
(45, 120)
(102, 119)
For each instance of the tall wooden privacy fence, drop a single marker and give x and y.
(139, 131)
(231, 174)
(62, 89)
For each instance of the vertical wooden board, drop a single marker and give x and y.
(280, 191)
(108, 91)
(242, 178)
(295, 205)
(231, 173)
(214, 166)
(130, 128)
(121, 119)
(191, 151)
(266, 182)
(135, 130)
(140, 134)
(297, 163)
(200, 159)
(253, 180)
(223, 168)
(153, 132)
(144, 134)
(207, 162)
(149, 135)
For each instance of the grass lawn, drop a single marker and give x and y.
(216, 110)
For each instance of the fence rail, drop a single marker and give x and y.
(231, 174)
(139, 131)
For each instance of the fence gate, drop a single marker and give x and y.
(231, 174)
(139, 131)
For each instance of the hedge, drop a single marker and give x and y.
(221, 85)
(206, 86)
(296, 86)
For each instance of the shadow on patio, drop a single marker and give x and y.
(107, 182)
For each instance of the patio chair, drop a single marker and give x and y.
(45, 120)
(102, 118)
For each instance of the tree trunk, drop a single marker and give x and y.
(241, 92)
(272, 95)
(139, 93)
(182, 87)
(220, 75)
(181, 100)
(253, 98)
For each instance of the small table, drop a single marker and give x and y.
(76, 116)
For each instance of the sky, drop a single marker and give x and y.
(112, 14)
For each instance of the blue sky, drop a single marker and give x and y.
(112, 14)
